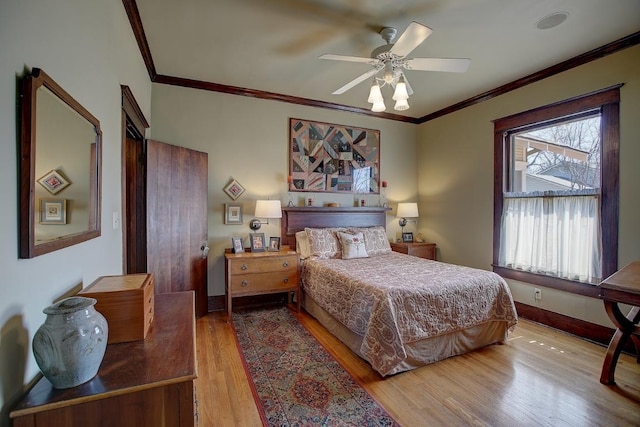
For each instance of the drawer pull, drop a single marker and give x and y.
(244, 267)
(286, 280)
(244, 283)
(285, 264)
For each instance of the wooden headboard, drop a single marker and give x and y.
(295, 219)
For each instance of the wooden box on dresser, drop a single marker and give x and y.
(257, 273)
(421, 250)
(126, 302)
(144, 383)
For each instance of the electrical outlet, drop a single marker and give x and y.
(116, 220)
(537, 294)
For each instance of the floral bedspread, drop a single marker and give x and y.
(394, 299)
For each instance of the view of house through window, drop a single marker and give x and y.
(551, 220)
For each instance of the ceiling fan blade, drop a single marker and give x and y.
(406, 81)
(415, 34)
(356, 81)
(454, 65)
(364, 60)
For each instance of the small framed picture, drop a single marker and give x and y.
(237, 245)
(232, 213)
(53, 211)
(234, 189)
(54, 182)
(274, 244)
(257, 242)
(407, 237)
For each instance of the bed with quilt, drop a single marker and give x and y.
(396, 311)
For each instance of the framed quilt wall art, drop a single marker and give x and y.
(325, 157)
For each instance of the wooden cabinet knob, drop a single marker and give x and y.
(286, 280)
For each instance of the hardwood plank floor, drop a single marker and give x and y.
(540, 377)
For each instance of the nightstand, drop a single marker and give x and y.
(257, 273)
(421, 250)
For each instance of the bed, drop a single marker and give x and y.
(396, 311)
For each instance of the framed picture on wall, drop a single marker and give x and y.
(53, 211)
(234, 189)
(54, 182)
(257, 242)
(232, 213)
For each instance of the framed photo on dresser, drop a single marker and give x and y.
(257, 242)
(407, 237)
(236, 242)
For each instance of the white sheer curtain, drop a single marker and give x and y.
(558, 236)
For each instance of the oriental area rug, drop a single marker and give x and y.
(295, 381)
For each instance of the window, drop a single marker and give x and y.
(556, 193)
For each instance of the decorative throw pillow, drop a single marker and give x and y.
(302, 244)
(324, 242)
(352, 245)
(375, 240)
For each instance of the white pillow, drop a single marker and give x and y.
(302, 244)
(352, 245)
(375, 239)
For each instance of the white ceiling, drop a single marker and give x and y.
(273, 45)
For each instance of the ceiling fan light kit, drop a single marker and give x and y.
(391, 58)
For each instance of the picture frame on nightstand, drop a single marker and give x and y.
(407, 237)
(257, 242)
(274, 244)
(237, 245)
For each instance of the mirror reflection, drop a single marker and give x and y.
(61, 152)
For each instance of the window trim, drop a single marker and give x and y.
(607, 101)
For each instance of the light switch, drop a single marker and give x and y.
(116, 220)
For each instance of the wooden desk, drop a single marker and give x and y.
(621, 287)
(140, 383)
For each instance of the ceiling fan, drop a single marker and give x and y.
(392, 58)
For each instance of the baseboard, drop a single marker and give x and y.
(589, 331)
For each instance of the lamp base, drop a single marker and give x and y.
(255, 224)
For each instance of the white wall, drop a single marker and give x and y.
(89, 49)
(456, 174)
(247, 139)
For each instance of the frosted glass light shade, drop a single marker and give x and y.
(378, 107)
(401, 105)
(401, 91)
(375, 95)
(268, 209)
(407, 210)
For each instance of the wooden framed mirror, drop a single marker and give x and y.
(60, 168)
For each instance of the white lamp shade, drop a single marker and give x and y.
(375, 95)
(401, 105)
(268, 209)
(401, 91)
(378, 107)
(407, 210)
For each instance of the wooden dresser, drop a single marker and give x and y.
(257, 273)
(421, 250)
(140, 383)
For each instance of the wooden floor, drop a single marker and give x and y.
(540, 377)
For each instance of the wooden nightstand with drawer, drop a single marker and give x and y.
(257, 273)
(421, 250)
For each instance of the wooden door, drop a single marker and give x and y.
(135, 218)
(177, 229)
